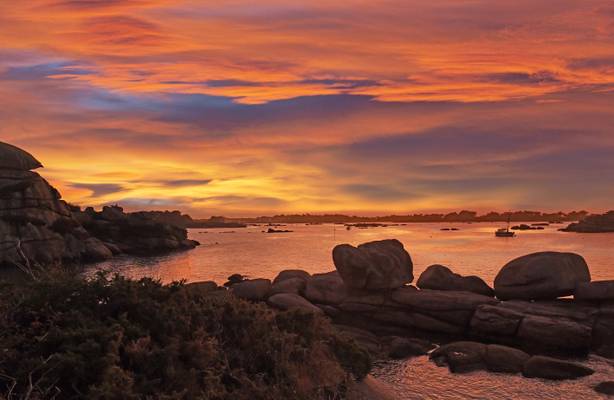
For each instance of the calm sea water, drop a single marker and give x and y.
(472, 250)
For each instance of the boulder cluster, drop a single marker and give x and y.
(38, 228)
(509, 327)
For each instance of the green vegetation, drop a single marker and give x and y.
(113, 338)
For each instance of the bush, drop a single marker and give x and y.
(123, 339)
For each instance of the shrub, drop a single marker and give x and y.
(115, 338)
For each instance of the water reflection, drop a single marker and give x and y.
(473, 249)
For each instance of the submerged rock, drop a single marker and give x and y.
(374, 266)
(541, 276)
(470, 356)
(554, 369)
(605, 388)
(439, 277)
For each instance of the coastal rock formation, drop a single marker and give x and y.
(439, 277)
(374, 266)
(38, 228)
(495, 335)
(541, 276)
(593, 224)
(134, 233)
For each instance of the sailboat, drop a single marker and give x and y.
(505, 232)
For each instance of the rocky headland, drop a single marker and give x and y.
(38, 228)
(542, 315)
(597, 223)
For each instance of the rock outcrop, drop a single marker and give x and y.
(496, 335)
(38, 228)
(541, 276)
(134, 233)
(439, 277)
(603, 223)
(374, 266)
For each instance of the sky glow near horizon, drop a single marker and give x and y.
(242, 108)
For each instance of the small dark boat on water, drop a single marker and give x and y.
(505, 232)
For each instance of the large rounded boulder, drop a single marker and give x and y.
(439, 277)
(14, 158)
(374, 266)
(541, 276)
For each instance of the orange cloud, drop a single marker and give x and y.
(271, 101)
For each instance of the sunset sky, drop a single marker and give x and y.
(259, 107)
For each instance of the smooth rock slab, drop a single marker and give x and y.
(376, 265)
(495, 320)
(439, 277)
(505, 359)
(290, 301)
(555, 332)
(453, 307)
(554, 369)
(291, 285)
(541, 276)
(255, 290)
(326, 288)
(291, 274)
(595, 291)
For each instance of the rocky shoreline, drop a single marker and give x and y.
(38, 228)
(525, 324)
(603, 223)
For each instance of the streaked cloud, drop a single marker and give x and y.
(231, 107)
